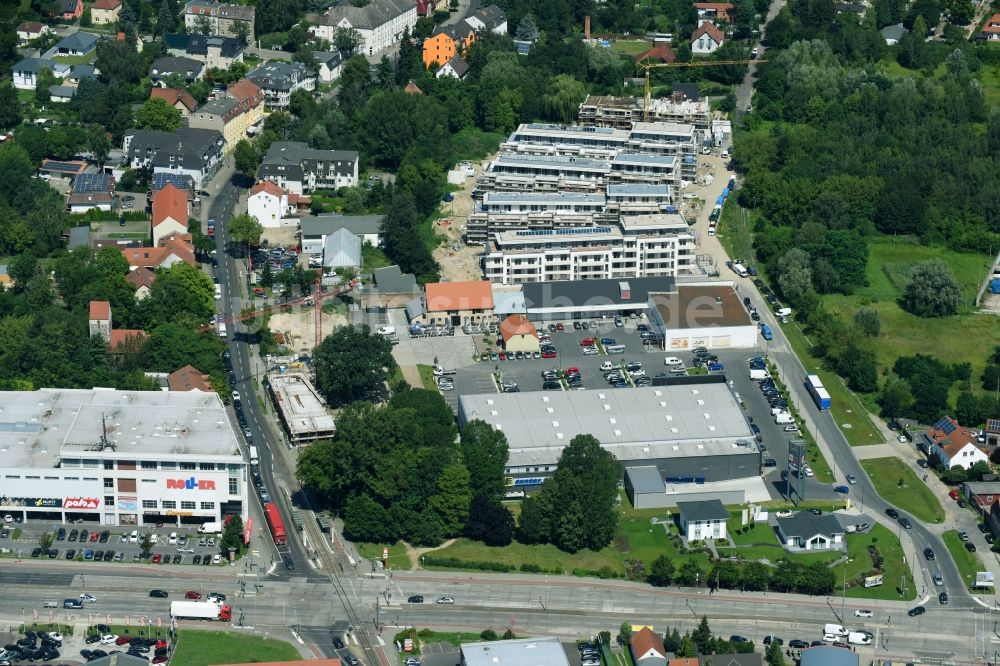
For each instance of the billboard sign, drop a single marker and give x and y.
(873, 581)
(29, 502)
(81, 503)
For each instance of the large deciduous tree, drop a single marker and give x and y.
(932, 290)
(158, 114)
(352, 363)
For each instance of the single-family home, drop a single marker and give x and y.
(171, 250)
(178, 98)
(990, 32)
(100, 320)
(279, 80)
(379, 23)
(170, 213)
(220, 19)
(90, 191)
(180, 181)
(270, 204)
(231, 113)
(330, 65)
(456, 68)
(298, 168)
(31, 30)
(105, 12)
(341, 249)
(807, 531)
(189, 69)
(75, 44)
(856, 8)
(141, 279)
(69, 10)
(61, 94)
(446, 42)
(190, 151)
(488, 19)
(660, 53)
(452, 304)
(702, 520)
(519, 334)
(647, 648)
(215, 51)
(706, 38)
(81, 71)
(954, 445)
(315, 229)
(715, 10)
(893, 33)
(25, 73)
(189, 378)
(981, 494)
(78, 203)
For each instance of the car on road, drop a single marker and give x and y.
(448, 601)
(797, 643)
(851, 479)
(905, 522)
(89, 598)
(892, 513)
(923, 463)
(969, 546)
(191, 594)
(929, 553)
(943, 598)
(769, 639)
(738, 639)
(964, 536)
(415, 599)
(938, 580)
(672, 360)
(158, 594)
(785, 513)
(863, 612)
(338, 643)
(843, 490)
(916, 610)
(289, 564)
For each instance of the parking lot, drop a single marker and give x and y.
(111, 544)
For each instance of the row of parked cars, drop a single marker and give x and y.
(35, 646)
(138, 647)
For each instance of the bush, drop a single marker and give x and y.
(456, 563)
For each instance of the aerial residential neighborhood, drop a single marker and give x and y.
(449, 333)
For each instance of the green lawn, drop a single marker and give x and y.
(968, 563)
(629, 47)
(427, 377)
(75, 60)
(898, 485)
(473, 143)
(859, 566)
(373, 257)
(761, 543)
(398, 559)
(205, 648)
(735, 238)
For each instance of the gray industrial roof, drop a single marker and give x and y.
(323, 225)
(39, 427)
(341, 249)
(704, 510)
(645, 479)
(686, 419)
(603, 292)
(391, 280)
(544, 651)
(828, 655)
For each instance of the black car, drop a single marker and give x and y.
(290, 564)
(983, 527)
(109, 555)
(71, 553)
(159, 594)
(35, 552)
(61, 534)
(773, 639)
(415, 599)
(53, 553)
(73, 534)
(943, 598)
(738, 639)
(928, 553)
(892, 513)
(337, 643)
(196, 559)
(816, 512)
(93, 638)
(923, 463)
(918, 610)
(770, 462)
(969, 546)
(105, 535)
(905, 522)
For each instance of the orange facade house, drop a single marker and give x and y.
(447, 42)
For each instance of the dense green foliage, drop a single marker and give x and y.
(352, 363)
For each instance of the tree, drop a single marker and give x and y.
(203, 25)
(490, 522)
(955, 476)
(453, 497)
(661, 572)
(562, 99)
(702, 636)
(366, 520)
(165, 18)
(10, 106)
(527, 29)
(774, 655)
(484, 450)
(868, 321)
(158, 114)
(232, 536)
(625, 633)
(352, 363)
(245, 229)
(930, 381)
(689, 574)
(896, 398)
(22, 268)
(45, 79)
(932, 290)
(347, 41)
(795, 275)
(245, 158)
(181, 293)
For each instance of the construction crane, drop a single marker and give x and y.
(646, 65)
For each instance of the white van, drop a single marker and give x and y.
(218, 292)
(757, 374)
(222, 330)
(783, 418)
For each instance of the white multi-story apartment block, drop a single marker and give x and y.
(622, 112)
(501, 211)
(380, 23)
(638, 246)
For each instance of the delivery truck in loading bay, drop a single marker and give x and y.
(201, 610)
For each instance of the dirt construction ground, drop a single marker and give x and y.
(299, 330)
(458, 261)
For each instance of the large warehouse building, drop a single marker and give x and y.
(691, 430)
(119, 457)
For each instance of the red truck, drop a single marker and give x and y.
(275, 524)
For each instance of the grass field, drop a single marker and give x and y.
(859, 565)
(629, 47)
(372, 258)
(204, 648)
(968, 563)
(427, 377)
(398, 559)
(898, 485)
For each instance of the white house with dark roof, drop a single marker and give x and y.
(330, 65)
(188, 69)
(702, 520)
(456, 68)
(298, 168)
(25, 73)
(315, 229)
(279, 80)
(806, 531)
(197, 153)
(380, 23)
(489, 19)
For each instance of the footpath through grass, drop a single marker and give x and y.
(205, 648)
(968, 563)
(898, 485)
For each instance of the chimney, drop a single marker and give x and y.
(586, 27)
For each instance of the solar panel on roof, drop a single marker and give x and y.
(945, 426)
(86, 183)
(67, 167)
(523, 48)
